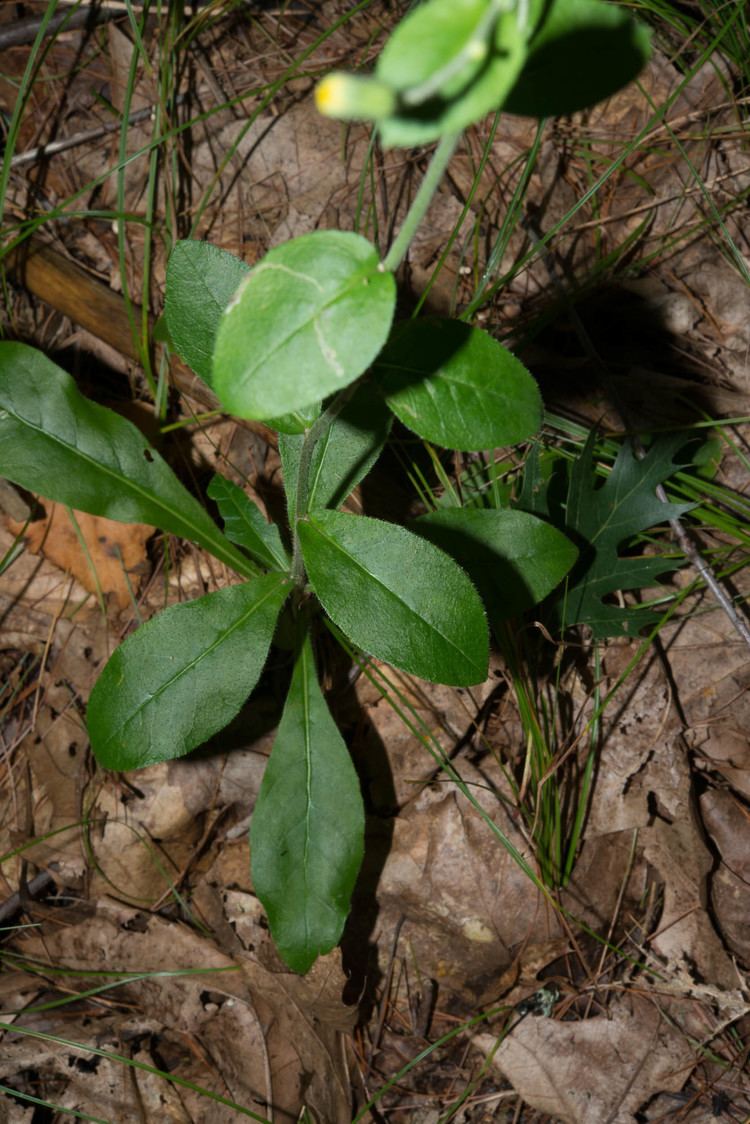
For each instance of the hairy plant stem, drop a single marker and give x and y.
(432, 177)
(312, 436)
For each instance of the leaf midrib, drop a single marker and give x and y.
(203, 655)
(306, 709)
(391, 593)
(153, 498)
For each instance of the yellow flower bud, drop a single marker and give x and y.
(351, 97)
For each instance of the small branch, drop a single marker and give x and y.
(696, 559)
(18, 32)
(51, 148)
(440, 159)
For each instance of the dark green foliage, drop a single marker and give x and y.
(581, 52)
(307, 834)
(601, 518)
(378, 583)
(244, 524)
(514, 559)
(456, 386)
(184, 675)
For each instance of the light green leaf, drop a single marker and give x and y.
(184, 675)
(244, 524)
(396, 596)
(451, 61)
(514, 558)
(310, 318)
(307, 830)
(343, 456)
(201, 280)
(56, 442)
(581, 52)
(457, 386)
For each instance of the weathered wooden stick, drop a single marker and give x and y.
(67, 287)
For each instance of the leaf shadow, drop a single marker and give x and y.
(358, 946)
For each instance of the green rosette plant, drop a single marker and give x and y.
(305, 341)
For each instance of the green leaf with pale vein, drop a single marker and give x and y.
(307, 830)
(451, 62)
(201, 281)
(182, 676)
(396, 596)
(310, 318)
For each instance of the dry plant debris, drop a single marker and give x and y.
(146, 877)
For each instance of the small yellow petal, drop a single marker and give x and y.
(330, 95)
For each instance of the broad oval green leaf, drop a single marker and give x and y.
(343, 456)
(56, 442)
(182, 676)
(451, 61)
(515, 559)
(244, 524)
(396, 596)
(201, 280)
(581, 52)
(457, 386)
(310, 318)
(307, 830)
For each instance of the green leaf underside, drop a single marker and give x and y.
(396, 596)
(201, 280)
(307, 830)
(514, 558)
(457, 386)
(310, 318)
(244, 524)
(604, 517)
(56, 442)
(343, 456)
(430, 40)
(584, 51)
(182, 676)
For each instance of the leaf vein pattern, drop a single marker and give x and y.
(305, 325)
(394, 596)
(123, 479)
(203, 655)
(264, 267)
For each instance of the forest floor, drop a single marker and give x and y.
(137, 968)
